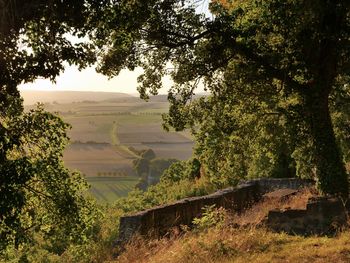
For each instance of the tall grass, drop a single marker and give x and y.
(221, 237)
(230, 244)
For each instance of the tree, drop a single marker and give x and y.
(149, 168)
(39, 195)
(156, 168)
(148, 154)
(180, 170)
(239, 137)
(296, 49)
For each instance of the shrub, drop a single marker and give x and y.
(211, 217)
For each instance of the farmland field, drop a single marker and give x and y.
(104, 130)
(109, 189)
(149, 135)
(94, 159)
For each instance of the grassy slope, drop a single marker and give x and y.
(241, 245)
(248, 243)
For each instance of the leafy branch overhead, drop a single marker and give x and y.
(296, 52)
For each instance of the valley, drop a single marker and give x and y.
(106, 132)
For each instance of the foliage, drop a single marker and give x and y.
(141, 166)
(99, 247)
(148, 154)
(211, 217)
(149, 168)
(38, 194)
(157, 167)
(163, 193)
(180, 170)
(33, 42)
(169, 189)
(285, 57)
(239, 138)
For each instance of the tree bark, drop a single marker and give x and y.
(330, 169)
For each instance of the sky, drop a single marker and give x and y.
(89, 80)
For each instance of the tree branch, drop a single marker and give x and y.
(270, 70)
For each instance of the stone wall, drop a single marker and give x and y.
(322, 216)
(270, 184)
(159, 220)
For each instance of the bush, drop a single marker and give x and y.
(182, 170)
(162, 193)
(211, 217)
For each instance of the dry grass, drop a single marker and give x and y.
(239, 245)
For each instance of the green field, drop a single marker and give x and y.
(104, 130)
(109, 189)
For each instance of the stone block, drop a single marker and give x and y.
(323, 215)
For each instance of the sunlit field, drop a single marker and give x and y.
(104, 130)
(108, 189)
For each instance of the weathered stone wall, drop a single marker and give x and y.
(270, 184)
(158, 220)
(322, 216)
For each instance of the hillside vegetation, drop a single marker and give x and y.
(219, 236)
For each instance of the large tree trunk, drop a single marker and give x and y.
(330, 169)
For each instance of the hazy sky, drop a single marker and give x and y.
(89, 80)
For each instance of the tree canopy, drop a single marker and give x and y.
(289, 58)
(38, 194)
